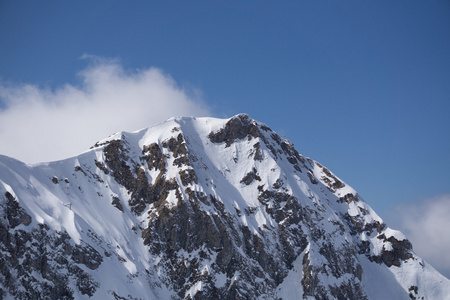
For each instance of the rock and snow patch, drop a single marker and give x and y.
(198, 208)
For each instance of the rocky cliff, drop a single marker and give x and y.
(198, 208)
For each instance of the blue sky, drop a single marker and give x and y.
(361, 86)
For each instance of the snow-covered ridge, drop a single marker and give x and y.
(200, 208)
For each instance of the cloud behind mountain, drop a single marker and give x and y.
(426, 225)
(42, 124)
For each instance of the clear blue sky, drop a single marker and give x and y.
(361, 86)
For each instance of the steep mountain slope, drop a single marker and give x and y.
(198, 208)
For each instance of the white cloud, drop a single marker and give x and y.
(427, 226)
(40, 124)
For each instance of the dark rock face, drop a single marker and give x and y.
(190, 229)
(116, 157)
(116, 202)
(401, 251)
(292, 155)
(286, 210)
(338, 263)
(413, 292)
(142, 192)
(358, 225)
(188, 177)
(250, 177)
(348, 198)
(312, 178)
(257, 152)
(309, 281)
(332, 182)
(52, 255)
(237, 128)
(179, 151)
(15, 214)
(154, 157)
(243, 127)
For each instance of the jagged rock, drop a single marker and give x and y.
(154, 157)
(51, 255)
(15, 214)
(237, 128)
(116, 157)
(116, 203)
(312, 178)
(332, 182)
(178, 148)
(250, 177)
(401, 251)
(188, 177)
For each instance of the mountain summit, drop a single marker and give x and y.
(198, 208)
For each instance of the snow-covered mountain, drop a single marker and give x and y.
(198, 208)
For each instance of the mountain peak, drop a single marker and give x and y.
(200, 208)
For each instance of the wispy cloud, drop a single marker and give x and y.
(40, 124)
(427, 226)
